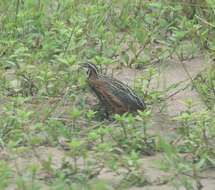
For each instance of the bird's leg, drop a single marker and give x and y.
(97, 107)
(102, 112)
(106, 114)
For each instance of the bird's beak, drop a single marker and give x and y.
(84, 67)
(81, 67)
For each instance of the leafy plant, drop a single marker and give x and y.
(45, 101)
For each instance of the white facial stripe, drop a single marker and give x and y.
(93, 67)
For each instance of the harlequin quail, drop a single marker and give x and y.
(115, 96)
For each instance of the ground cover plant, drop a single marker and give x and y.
(51, 132)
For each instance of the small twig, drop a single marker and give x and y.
(137, 54)
(97, 172)
(176, 92)
(68, 42)
(17, 10)
(199, 176)
(55, 106)
(204, 21)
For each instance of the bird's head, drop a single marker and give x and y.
(91, 69)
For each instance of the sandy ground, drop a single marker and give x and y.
(171, 73)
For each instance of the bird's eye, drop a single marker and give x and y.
(88, 72)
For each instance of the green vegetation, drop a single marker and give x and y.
(50, 133)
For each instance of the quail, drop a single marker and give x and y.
(114, 96)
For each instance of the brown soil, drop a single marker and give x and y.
(171, 73)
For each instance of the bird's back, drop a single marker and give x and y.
(124, 93)
(114, 95)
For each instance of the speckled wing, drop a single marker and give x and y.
(111, 102)
(124, 93)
